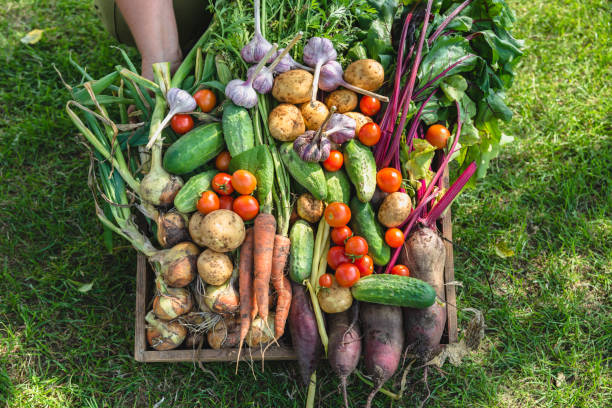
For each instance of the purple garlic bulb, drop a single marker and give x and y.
(312, 146)
(257, 48)
(317, 52)
(262, 82)
(340, 128)
(331, 76)
(241, 93)
(287, 63)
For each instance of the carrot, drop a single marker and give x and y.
(282, 246)
(245, 283)
(263, 243)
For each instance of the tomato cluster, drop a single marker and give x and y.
(182, 123)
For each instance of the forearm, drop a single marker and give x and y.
(153, 27)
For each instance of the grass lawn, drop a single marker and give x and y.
(548, 198)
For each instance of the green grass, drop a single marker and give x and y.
(548, 198)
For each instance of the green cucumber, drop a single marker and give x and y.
(309, 175)
(302, 248)
(258, 161)
(394, 290)
(338, 186)
(187, 197)
(364, 223)
(194, 149)
(361, 168)
(237, 129)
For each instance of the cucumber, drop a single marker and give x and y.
(364, 223)
(237, 129)
(194, 149)
(338, 186)
(302, 248)
(258, 161)
(309, 175)
(187, 197)
(394, 290)
(361, 168)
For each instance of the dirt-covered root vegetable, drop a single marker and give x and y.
(220, 230)
(394, 209)
(225, 334)
(170, 303)
(286, 122)
(193, 340)
(343, 99)
(304, 332)
(222, 299)
(360, 120)
(335, 299)
(261, 332)
(177, 265)
(163, 335)
(344, 345)
(314, 114)
(214, 268)
(383, 341)
(171, 229)
(293, 86)
(367, 74)
(309, 208)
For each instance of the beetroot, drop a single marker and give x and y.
(344, 345)
(304, 333)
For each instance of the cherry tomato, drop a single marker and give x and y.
(336, 256)
(244, 182)
(394, 237)
(334, 161)
(222, 161)
(369, 105)
(339, 235)
(437, 135)
(181, 123)
(347, 275)
(337, 214)
(206, 100)
(222, 184)
(326, 280)
(369, 134)
(208, 202)
(246, 207)
(365, 264)
(389, 179)
(225, 202)
(401, 270)
(356, 246)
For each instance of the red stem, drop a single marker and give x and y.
(450, 195)
(450, 17)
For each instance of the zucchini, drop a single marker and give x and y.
(364, 223)
(338, 186)
(237, 129)
(309, 175)
(258, 161)
(188, 196)
(194, 149)
(361, 168)
(394, 290)
(302, 248)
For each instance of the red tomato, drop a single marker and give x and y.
(244, 181)
(347, 275)
(369, 105)
(365, 264)
(222, 161)
(356, 246)
(222, 184)
(181, 123)
(337, 214)
(369, 134)
(394, 237)
(339, 235)
(206, 100)
(336, 256)
(334, 161)
(389, 179)
(208, 202)
(246, 207)
(225, 202)
(326, 280)
(401, 270)
(437, 135)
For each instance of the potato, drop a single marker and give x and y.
(360, 120)
(220, 230)
(367, 74)
(394, 209)
(336, 299)
(225, 334)
(343, 99)
(214, 267)
(314, 116)
(309, 208)
(286, 122)
(293, 86)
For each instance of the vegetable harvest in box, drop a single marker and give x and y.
(292, 178)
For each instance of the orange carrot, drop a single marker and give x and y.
(282, 308)
(245, 283)
(282, 246)
(263, 243)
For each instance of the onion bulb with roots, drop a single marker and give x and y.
(223, 299)
(261, 332)
(225, 334)
(170, 303)
(172, 229)
(193, 340)
(163, 335)
(159, 187)
(177, 265)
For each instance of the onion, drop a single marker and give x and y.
(163, 335)
(171, 229)
(225, 334)
(170, 303)
(222, 299)
(177, 265)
